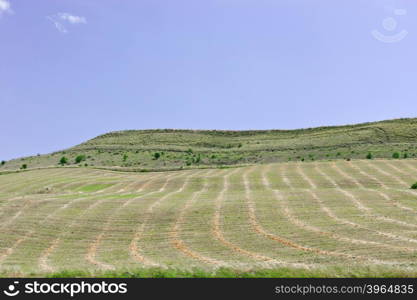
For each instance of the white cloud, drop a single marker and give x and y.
(72, 19)
(61, 28)
(5, 7)
(61, 18)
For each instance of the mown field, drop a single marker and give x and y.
(319, 218)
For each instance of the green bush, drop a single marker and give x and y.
(80, 158)
(156, 155)
(198, 159)
(125, 157)
(24, 166)
(396, 155)
(405, 155)
(63, 161)
(369, 155)
(414, 186)
(3, 162)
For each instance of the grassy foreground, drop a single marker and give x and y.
(335, 272)
(312, 219)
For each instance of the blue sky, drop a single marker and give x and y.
(74, 69)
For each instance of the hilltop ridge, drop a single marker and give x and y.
(161, 149)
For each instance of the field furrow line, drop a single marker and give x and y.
(389, 175)
(367, 175)
(384, 195)
(142, 186)
(284, 241)
(29, 182)
(394, 167)
(303, 175)
(53, 181)
(410, 167)
(8, 201)
(332, 216)
(174, 234)
(92, 249)
(347, 222)
(400, 181)
(26, 207)
(44, 257)
(294, 220)
(31, 232)
(9, 251)
(366, 210)
(218, 232)
(9, 221)
(134, 250)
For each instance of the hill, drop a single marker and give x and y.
(140, 150)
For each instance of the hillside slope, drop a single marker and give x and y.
(172, 149)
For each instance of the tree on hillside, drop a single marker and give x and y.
(3, 162)
(63, 161)
(369, 155)
(80, 158)
(198, 159)
(414, 186)
(156, 155)
(24, 166)
(396, 155)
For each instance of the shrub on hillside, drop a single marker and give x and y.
(63, 161)
(405, 155)
(396, 155)
(198, 159)
(369, 155)
(24, 166)
(3, 162)
(156, 155)
(80, 158)
(125, 157)
(414, 186)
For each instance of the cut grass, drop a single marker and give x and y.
(316, 219)
(94, 187)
